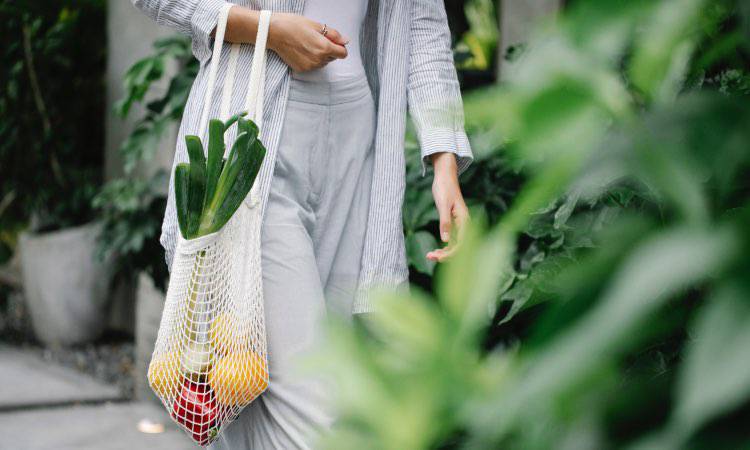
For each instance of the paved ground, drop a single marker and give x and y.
(31, 381)
(48, 407)
(99, 427)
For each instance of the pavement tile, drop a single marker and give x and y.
(29, 381)
(111, 426)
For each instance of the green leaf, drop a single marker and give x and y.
(214, 163)
(235, 162)
(417, 246)
(229, 122)
(663, 48)
(409, 324)
(250, 160)
(469, 286)
(181, 189)
(249, 127)
(197, 183)
(655, 271)
(716, 374)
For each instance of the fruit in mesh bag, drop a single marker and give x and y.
(164, 374)
(196, 409)
(226, 333)
(238, 378)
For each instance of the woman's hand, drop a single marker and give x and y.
(300, 43)
(450, 205)
(297, 39)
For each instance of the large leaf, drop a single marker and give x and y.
(470, 285)
(417, 246)
(658, 269)
(663, 49)
(716, 374)
(214, 162)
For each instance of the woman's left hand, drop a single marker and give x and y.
(450, 205)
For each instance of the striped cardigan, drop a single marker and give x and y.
(408, 60)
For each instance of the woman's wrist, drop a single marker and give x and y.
(444, 165)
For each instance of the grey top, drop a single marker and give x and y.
(346, 17)
(405, 46)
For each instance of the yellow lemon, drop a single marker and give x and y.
(164, 375)
(225, 334)
(238, 378)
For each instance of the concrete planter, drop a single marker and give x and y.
(148, 309)
(65, 285)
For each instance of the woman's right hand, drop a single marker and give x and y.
(300, 43)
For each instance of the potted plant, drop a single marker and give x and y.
(51, 145)
(132, 207)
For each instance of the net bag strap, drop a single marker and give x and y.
(256, 86)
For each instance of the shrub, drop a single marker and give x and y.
(608, 305)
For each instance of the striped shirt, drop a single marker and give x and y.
(406, 51)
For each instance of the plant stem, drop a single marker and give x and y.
(192, 300)
(39, 101)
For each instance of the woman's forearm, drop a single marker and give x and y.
(242, 25)
(298, 40)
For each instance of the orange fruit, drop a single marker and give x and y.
(225, 334)
(164, 375)
(238, 378)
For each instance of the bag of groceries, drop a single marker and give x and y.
(210, 357)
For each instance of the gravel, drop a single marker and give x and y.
(110, 359)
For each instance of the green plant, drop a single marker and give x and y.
(630, 325)
(163, 111)
(476, 48)
(131, 211)
(51, 98)
(208, 190)
(131, 207)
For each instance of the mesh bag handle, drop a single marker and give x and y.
(256, 87)
(254, 101)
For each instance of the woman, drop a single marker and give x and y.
(339, 78)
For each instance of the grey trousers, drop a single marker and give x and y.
(313, 235)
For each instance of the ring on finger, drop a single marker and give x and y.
(324, 31)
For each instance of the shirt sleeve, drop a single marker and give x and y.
(434, 95)
(196, 18)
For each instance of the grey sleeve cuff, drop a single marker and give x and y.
(202, 24)
(438, 140)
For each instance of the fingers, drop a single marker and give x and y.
(334, 36)
(457, 218)
(442, 254)
(337, 51)
(446, 222)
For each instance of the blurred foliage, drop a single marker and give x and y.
(162, 112)
(476, 48)
(131, 207)
(602, 299)
(51, 99)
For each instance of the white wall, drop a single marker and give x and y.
(130, 37)
(517, 20)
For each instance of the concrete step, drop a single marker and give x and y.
(29, 381)
(112, 426)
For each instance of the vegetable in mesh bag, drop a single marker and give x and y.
(212, 372)
(208, 191)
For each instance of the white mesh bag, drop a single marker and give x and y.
(210, 357)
